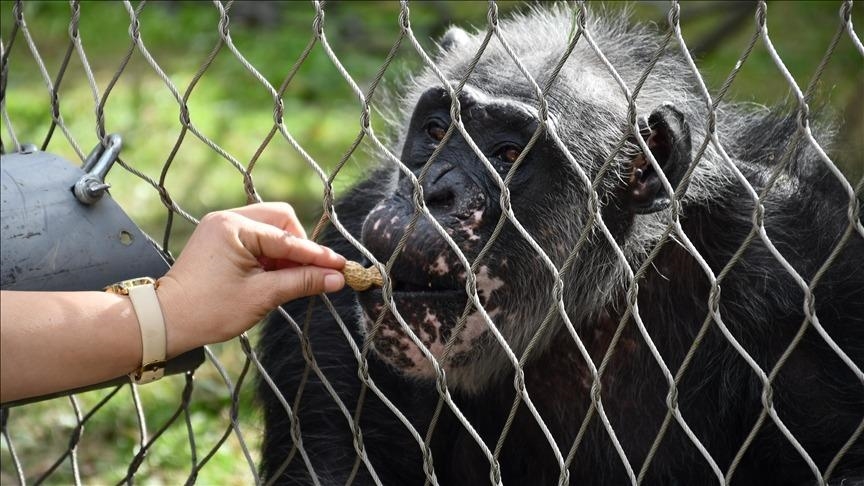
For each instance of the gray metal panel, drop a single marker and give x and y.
(50, 241)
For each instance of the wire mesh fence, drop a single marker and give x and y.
(203, 426)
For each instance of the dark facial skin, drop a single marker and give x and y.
(461, 194)
(464, 198)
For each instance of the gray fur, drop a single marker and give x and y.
(583, 84)
(583, 87)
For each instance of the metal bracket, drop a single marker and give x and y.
(91, 186)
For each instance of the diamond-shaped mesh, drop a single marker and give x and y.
(179, 427)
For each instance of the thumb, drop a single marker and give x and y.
(302, 281)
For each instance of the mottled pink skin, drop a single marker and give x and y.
(436, 299)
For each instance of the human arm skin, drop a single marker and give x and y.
(55, 341)
(218, 288)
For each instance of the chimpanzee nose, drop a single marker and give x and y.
(439, 187)
(439, 198)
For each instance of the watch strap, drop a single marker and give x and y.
(152, 324)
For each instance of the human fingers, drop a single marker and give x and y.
(277, 214)
(271, 245)
(293, 283)
(275, 263)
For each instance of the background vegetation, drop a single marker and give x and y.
(233, 109)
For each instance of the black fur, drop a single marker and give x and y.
(816, 395)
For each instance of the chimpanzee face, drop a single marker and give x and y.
(429, 281)
(464, 198)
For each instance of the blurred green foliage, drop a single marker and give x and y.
(230, 107)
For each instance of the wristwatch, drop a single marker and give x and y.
(142, 293)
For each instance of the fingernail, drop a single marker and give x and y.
(333, 282)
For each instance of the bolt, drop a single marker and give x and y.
(89, 189)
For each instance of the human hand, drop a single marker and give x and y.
(238, 265)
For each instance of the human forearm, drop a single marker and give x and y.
(62, 340)
(237, 266)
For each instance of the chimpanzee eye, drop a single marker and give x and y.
(435, 130)
(509, 153)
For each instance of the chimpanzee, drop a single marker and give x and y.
(818, 397)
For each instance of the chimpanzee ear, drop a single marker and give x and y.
(668, 137)
(453, 38)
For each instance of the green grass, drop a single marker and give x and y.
(230, 107)
(110, 439)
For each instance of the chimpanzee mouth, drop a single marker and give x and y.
(415, 282)
(415, 303)
(427, 306)
(412, 291)
(433, 293)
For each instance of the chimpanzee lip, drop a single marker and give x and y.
(401, 286)
(415, 292)
(412, 292)
(411, 283)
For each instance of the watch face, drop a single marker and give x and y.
(124, 286)
(137, 282)
(116, 288)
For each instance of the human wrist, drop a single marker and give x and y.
(151, 325)
(173, 302)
